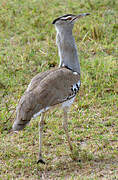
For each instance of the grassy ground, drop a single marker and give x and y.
(27, 46)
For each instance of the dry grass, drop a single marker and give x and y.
(28, 47)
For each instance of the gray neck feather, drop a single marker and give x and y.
(67, 49)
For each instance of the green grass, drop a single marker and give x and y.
(27, 47)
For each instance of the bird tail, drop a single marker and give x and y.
(17, 126)
(24, 112)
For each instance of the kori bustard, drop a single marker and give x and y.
(56, 86)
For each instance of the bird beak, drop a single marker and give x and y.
(80, 15)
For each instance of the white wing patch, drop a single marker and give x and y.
(42, 110)
(75, 73)
(68, 103)
(76, 87)
(70, 99)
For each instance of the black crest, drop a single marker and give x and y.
(66, 15)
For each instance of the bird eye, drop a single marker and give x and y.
(69, 18)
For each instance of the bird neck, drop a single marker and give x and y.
(67, 50)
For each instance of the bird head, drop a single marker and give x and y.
(67, 20)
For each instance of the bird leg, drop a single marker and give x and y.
(41, 124)
(65, 126)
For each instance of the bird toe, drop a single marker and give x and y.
(41, 161)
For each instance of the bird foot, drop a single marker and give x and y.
(41, 161)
